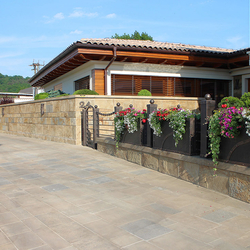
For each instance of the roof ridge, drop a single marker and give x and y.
(154, 44)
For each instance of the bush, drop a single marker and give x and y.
(246, 100)
(85, 92)
(231, 102)
(41, 96)
(6, 100)
(144, 92)
(63, 95)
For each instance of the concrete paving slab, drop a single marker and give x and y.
(67, 197)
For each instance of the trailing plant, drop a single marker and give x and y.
(225, 122)
(246, 116)
(144, 92)
(177, 121)
(128, 119)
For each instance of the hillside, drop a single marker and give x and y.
(13, 83)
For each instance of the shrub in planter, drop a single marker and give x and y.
(177, 121)
(230, 101)
(144, 92)
(246, 100)
(41, 96)
(85, 92)
(128, 119)
(226, 122)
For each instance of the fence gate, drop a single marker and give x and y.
(95, 124)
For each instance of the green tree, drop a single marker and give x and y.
(13, 83)
(135, 36)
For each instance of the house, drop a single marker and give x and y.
(124, 67)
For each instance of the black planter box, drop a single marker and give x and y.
(189, 145)
(236, 150)
(139, 137)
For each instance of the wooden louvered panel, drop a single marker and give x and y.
(122, 85)
(58, 87)
(98, 81)
(170, 86)
(137, 82)
(157, 86)
(82, 83)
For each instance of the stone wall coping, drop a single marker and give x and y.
(115, 97)
(191, 159)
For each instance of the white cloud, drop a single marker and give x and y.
(7, 39)
(94, 14)
(59, 16)
(236, 42)
(76, 13)
(113, 15)
(79, 13)
(76, 32)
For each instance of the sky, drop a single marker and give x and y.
(40, 30)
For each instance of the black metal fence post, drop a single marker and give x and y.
(84, 126)
(95, 125)
(117, 109)
(150, 108)
(207, 107)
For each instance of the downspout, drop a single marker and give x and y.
(106, 70)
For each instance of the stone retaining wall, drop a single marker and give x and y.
(61, 118)
(229, 179)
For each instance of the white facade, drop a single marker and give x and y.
(68, 80)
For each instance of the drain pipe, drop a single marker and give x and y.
(106, 72)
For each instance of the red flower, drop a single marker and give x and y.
(144, 120)
(224, 105)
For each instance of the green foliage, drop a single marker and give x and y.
(225, 122)
(63, 95)
(85, 92)
(231, 101)
(144, 92)
(55, 93)
(246, 100)
(135, 36)
(41, 96)
(13, 84)
(129, 119)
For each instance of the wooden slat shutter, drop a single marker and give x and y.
(82, 83)
(122, 85)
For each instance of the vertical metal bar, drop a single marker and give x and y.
(95, 126)
(84, 127)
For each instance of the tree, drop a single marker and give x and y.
(135, 36)
(13, 83)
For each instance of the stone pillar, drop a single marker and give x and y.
(150, 108)
(207, 107)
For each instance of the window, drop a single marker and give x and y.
(82, 83)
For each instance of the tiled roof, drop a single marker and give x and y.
(153, 45)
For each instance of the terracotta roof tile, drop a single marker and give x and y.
(153, 45)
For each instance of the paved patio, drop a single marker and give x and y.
(59, 196)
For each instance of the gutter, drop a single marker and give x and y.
(106, 71)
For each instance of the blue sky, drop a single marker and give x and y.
(40, 30)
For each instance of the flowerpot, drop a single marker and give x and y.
(189, 145)
(236, 150)
(137, 138)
